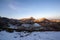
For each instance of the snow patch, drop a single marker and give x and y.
(12, 26)
(26, 25)
(36, 25)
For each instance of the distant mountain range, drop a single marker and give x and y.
(30, 23)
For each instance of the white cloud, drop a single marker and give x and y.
(12, 6)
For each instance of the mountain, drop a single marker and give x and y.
(28, 23)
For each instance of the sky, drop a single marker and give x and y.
(27, 8)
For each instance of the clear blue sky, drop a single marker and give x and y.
(28, 8)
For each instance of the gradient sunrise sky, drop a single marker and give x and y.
(27, 8)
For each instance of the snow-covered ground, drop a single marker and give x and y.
(29, 36)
